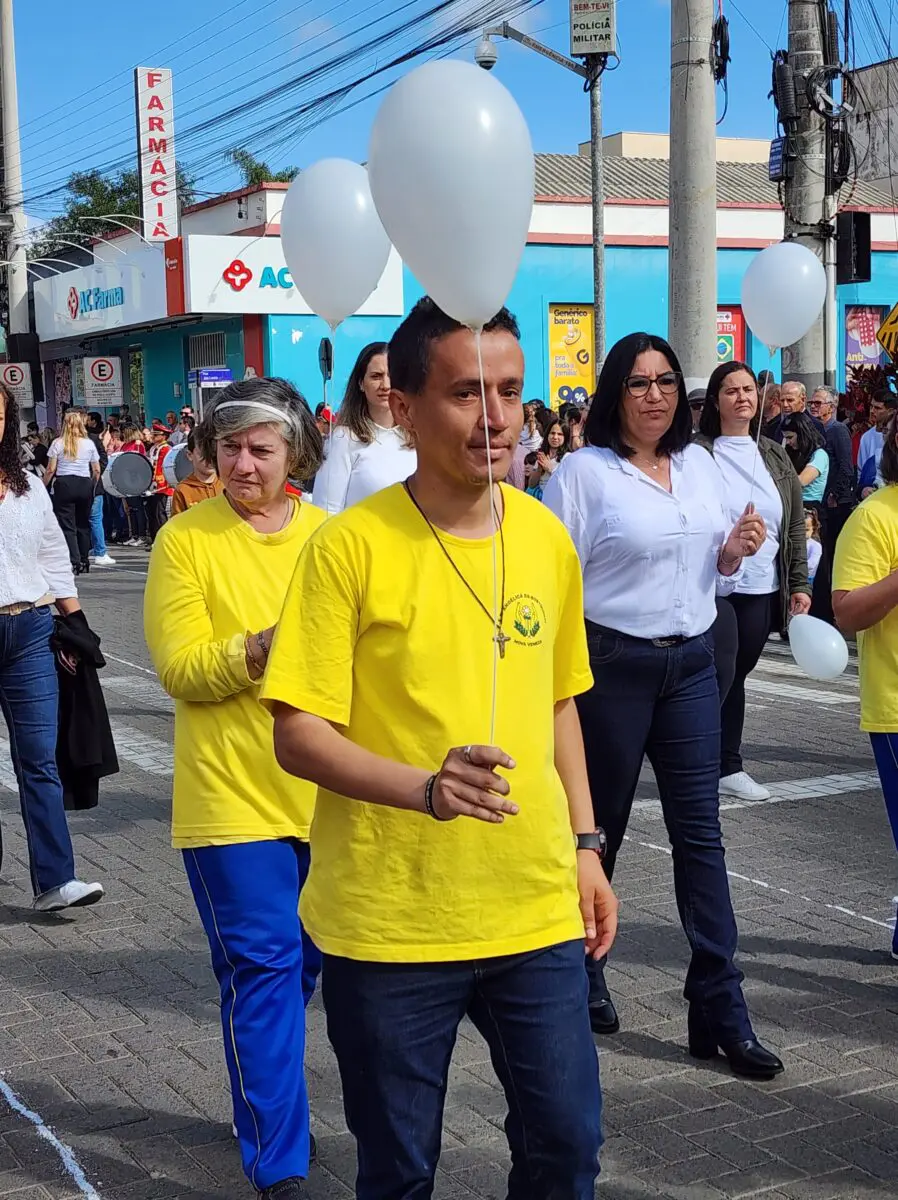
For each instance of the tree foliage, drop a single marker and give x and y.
(90, 194)
(255, 171)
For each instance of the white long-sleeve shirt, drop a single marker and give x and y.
(353, 470)
(649, 556)
(34, 558)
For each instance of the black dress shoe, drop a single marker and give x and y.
(603, 1016)
(287, 1189)
(749, 1059)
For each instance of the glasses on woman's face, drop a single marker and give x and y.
(640, 385)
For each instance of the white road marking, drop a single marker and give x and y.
(789, 691)
(789, 789)
(791, 669)
(124, 662)
(67, 1155)
(150, 754)
(146, 691)
(761, 883)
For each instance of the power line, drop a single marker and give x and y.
(290, 118)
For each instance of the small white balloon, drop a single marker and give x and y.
(818, 649)
(332, 237)
(783, 292)
(451, 169)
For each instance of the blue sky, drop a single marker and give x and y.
(76, 100)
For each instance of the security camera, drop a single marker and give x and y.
(486, 55)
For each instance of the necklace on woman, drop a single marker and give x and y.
(500, 637)
(247, 515)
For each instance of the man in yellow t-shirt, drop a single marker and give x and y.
(449, 877)
(865, 602)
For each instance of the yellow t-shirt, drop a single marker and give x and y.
(380, 637)
(866, 552)
(213, 579)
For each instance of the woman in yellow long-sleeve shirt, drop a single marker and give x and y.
(217, 581)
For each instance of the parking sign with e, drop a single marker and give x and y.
(17, 377)
(103, 380)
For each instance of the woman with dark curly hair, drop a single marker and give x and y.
(35, 573)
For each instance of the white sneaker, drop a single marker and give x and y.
(133, 542)
(102, 560)
(73, 894)
(743, 787)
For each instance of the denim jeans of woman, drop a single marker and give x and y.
(29, 696)
(662, 702)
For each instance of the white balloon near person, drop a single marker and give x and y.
(818, 648)
(783, 292)
(334, 243)
(452, 175)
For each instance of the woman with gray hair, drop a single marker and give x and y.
(217, 581)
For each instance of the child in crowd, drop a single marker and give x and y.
(201, 484)
(815, 546)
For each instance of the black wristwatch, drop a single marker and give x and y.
(596, 841)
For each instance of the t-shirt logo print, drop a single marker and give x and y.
(528, 619)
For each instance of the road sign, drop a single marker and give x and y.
(887, 335)
(593, 27)
(103, 381)
(17, 377)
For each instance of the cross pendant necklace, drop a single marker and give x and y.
(500, 637)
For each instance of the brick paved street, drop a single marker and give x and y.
(109, 1025)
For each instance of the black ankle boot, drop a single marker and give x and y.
(748, 1059)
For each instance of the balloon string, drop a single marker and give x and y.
(497, 616)
(757, 454)
(331, 421)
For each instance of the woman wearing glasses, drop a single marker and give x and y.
(647, 511)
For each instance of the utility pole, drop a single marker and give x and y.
(805, 192)
(693, 189)
(595, 65)
(12, 211)
(591, 73)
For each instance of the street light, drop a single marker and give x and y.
(486, 56)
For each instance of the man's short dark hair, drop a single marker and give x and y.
(408, 354)
(886, 397)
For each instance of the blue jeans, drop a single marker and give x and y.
(662, 702)
(97, 533)
(266, 965)
(393, 1027)
(29, 697)
(885, 750)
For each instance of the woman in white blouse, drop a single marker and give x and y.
(366, 451)
(647, 512)
(775, 582)
(73, 469)
(34, 574)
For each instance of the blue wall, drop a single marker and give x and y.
(165, 359)
(636, 299)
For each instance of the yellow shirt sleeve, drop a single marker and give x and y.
(190, 663)
(572, 672)
(310, 664)
(864, 551)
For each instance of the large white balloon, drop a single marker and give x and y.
(333, 240)
(451, 169)
(818, 648)
(783, 292)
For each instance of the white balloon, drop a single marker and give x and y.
(819, 649)
(333, 241)
(783, 292)
(451, 169)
